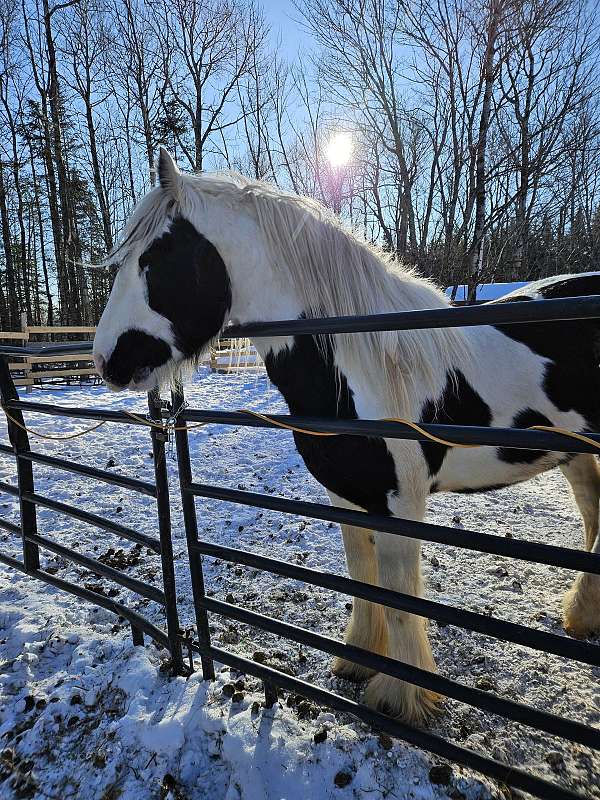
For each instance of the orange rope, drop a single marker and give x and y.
(579, 436)
(48, 436)
(266, 418)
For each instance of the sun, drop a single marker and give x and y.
(339, 149)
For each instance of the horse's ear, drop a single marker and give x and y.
(169, 176)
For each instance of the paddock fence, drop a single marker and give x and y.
(32, 366)
(29, 500)
(199, 644)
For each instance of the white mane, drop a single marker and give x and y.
(334, 272)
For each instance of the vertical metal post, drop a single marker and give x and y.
(20, 442)
(137, 635)
(164, 527)
(271, 695)
(28, 370)
(191, 534)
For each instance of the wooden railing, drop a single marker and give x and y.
(31, 369)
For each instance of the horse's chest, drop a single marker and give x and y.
(359, 469)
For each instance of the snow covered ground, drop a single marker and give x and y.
(84, 714)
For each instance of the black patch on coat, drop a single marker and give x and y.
(572, 379)
(572, 286)
(459, 404)
(510, 299)
(566, 286)
(526, 418)
(358, 468)
(135, 352)
(479, 489)
(435, 487)
(188, 284)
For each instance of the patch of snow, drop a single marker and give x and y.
(85, 714)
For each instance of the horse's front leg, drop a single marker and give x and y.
(581, 604)
(398, 560)
(367, 626)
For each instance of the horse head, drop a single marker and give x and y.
(172, 291)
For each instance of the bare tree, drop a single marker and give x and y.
(208, 49)
(84, 43)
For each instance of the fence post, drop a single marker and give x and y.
(164, 527)
(191, 535)
(20, 442)
(27, 371)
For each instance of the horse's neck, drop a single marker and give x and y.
(327, 384)
(306, 375)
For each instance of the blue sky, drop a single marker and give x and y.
(281, 15)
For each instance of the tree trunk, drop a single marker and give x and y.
(38, 210)
(489, 74)
(72, 313)
(11, 285)
(23, 260)
(98, 186)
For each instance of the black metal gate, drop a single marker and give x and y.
(549, 311)
(586, 653)
(29, 500)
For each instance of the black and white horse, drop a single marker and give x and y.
(202, 250)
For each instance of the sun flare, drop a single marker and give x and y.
(339, 149)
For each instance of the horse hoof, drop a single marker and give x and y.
(349, 671)
(581, 629)
(581, 607)
(404, 701)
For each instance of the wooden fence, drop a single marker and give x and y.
(234, 355)
(227, 356)
(33, 369)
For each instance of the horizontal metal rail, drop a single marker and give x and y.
(12, 562)
(135, 619)
(96, 521)
(429, 742)
(556, 310)
(441, 534)
(561, 309)
(10, 526)
(461, 434)
(8, 489)
(4, 448)
(97, 567)
(81, 413)
(526, 715)
(449, 615)
(143, 487)
(46, 349)
(516, 438)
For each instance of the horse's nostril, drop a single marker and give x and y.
(99, 363)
